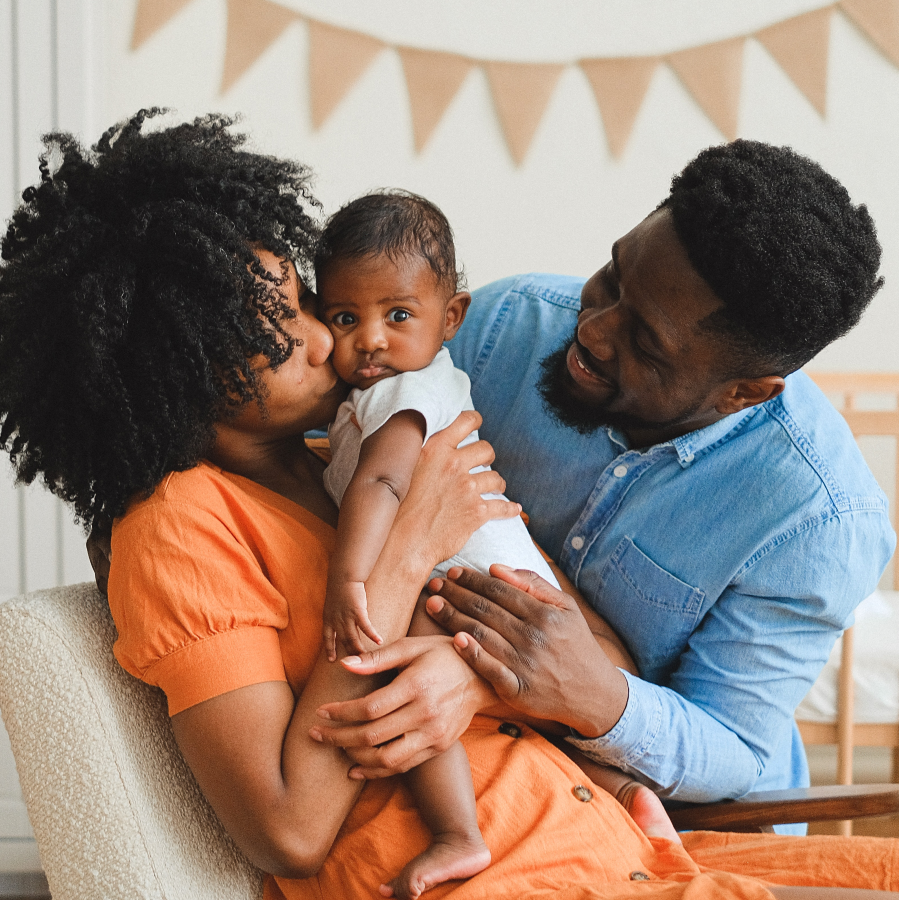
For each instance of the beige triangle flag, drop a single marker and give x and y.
(337, 60)
(619, 86)
(880, 20)
(800, 46)
(253, 26)
(432, 80)
(521, 94)
(151, 15)
(712, 74)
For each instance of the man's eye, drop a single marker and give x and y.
(398, 315)
(610, 282)
(344, 319)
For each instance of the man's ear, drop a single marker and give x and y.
(749, 392)
(455, 315)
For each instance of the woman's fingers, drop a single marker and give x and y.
(460, 428)
(420, 713)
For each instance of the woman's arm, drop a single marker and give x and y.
(280, 794)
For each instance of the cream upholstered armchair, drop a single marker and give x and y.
(115, 810)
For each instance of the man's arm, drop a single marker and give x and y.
(725, 714)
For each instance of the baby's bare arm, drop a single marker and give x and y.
(381, 480)
(386, 462)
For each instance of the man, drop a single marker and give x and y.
(702, 494)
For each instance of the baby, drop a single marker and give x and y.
(389, 292)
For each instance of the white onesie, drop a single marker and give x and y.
(440, 392)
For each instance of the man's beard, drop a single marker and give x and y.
(587, 418)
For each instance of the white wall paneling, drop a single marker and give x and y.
(47, 81)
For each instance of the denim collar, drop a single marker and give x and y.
(689, 445)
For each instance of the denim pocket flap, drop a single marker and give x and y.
(655, 612)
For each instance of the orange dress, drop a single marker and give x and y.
(218, 583)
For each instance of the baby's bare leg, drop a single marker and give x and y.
(443, 790)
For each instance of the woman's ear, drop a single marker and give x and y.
(455, 313)
(747, 392)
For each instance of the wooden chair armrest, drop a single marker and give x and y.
(761, 810)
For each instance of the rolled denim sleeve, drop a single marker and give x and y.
(726, 712)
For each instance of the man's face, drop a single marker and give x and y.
(639, 360)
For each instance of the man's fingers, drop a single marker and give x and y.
(503, 680)
(477, 610)
(442, 608)
(533, 584)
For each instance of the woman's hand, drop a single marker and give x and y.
(427, 706)
(444, 506)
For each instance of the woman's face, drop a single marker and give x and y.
(304, 392)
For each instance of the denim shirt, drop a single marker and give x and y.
(728, 560)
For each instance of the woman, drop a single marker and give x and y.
(159, 364)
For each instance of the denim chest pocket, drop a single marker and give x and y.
(653, 611)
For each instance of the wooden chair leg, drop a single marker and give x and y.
(845, 716)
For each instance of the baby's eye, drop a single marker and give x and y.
(344, 319)
(398, 315)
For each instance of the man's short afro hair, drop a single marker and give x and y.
(781, 244)
(132, 303)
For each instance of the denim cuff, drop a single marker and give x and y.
(627, 741)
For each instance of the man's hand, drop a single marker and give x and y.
(531, 642)
(418, 715)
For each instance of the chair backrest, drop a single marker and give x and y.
(847, 391)
(115, 810)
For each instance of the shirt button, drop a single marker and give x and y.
(582, 793)
(620, 471)
(639, 876)
(577, 542)
(510, 729)
(689, 458)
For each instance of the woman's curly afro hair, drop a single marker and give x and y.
(131, 303)
(781, 244)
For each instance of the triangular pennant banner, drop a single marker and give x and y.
(619, 86)
(880, 20)
(712, 74)
(151, 15)
(337, 60)
(432, 80)
(253, 26)
(800, 46)
(521, 94)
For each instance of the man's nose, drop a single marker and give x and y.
(596, 330)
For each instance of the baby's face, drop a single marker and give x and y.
(386, 317)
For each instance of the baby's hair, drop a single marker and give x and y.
(397, 224)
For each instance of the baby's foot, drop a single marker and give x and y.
(451, 856)
(647, 811)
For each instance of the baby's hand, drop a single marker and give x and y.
(345, 617)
